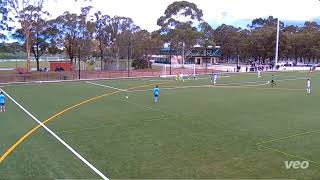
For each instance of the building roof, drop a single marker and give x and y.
(201, 52)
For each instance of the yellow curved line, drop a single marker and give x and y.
(60, 113)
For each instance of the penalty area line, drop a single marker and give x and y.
(57, 137)
(110, 87)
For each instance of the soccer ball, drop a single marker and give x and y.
(127, 97)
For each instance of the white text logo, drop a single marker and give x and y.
(296, 164)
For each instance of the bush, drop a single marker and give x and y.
(140, 64)
(7, 56)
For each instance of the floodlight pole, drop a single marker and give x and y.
(277, 43)
(79, 71)
(170, 57)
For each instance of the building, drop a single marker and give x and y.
(200, 55)
(60, 66)
(197, 55)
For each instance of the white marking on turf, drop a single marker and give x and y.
(200, 86)
(106, 86)
(57, 137)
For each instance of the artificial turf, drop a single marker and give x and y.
(195, 132)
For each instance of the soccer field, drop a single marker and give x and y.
(240, 129)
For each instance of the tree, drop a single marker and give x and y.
(177, 32)
(4, 18)
(144, 45)
(227, 37)
(86, 31)
(68, 25)
(26, 14)
(42, 35)
(269, 22)
(76, 34)
(102, 22)
(206, 37)
(120, 30)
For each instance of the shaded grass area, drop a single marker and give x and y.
(22, 64)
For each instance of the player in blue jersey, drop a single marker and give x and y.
(156, 92)
(2, 102)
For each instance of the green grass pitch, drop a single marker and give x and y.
(240, 129)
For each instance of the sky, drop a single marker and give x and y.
(233, 12)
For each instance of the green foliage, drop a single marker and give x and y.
(4, 55)
(4, 19)
(179, 8)
(258, 43)
(140, 63)
(181, 25)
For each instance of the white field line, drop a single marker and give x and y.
(122, 78)
(276, 80)
(200, 86)
(191, 79)
(291, 79)
(58, 138)
(123, 90)
(76, 80)
(160, 80)
(172, 88)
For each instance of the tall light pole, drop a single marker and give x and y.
(79, 71)
(170, 57)
(183, 49)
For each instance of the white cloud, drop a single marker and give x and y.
(146, 12)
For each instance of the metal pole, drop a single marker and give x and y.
(194, 70)
(101, 68)
(277, 43)
(79, 63)
(170, 57)
(183, 48)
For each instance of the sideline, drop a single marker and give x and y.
(55, 136)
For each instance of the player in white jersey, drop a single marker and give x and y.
(308, 86)
(259, 73)
(180, 76)
(214, 78)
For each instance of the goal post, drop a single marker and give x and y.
(165, 73)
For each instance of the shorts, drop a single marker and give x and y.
(155, 95)
(2, 104)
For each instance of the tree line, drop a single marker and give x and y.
(111, 38)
